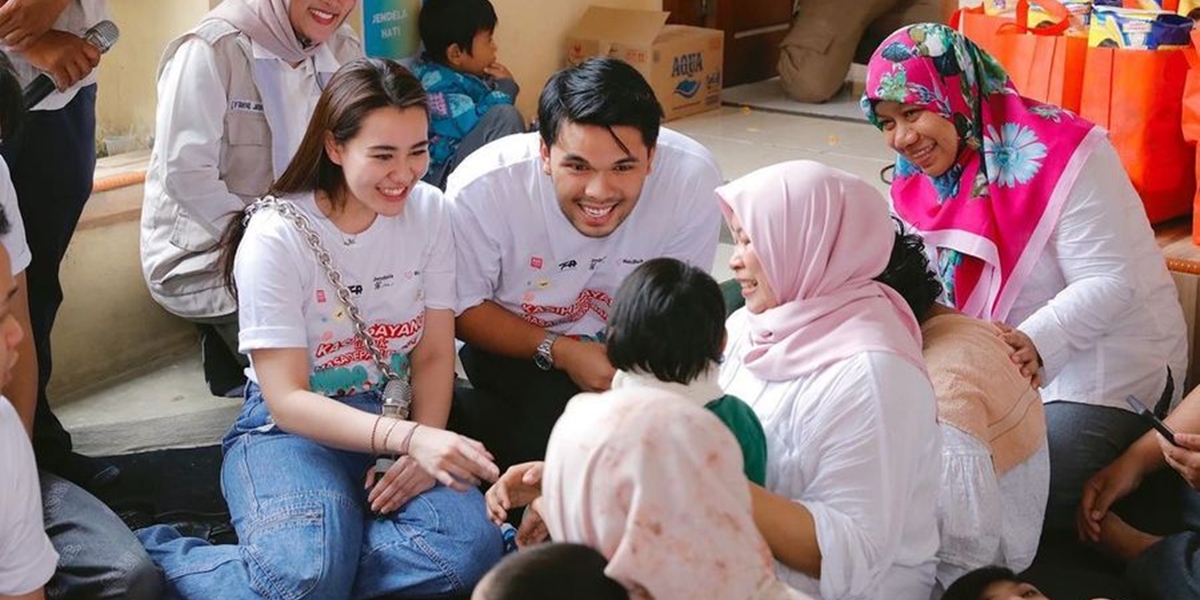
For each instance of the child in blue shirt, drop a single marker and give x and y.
(470, 94)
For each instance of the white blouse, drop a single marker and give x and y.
(858, 444)
(1100, 305)
(985, 520)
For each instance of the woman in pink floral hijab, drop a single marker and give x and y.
(656, 485)
(1035, 225)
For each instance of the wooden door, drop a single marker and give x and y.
(753, 30)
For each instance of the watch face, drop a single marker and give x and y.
(542, 361)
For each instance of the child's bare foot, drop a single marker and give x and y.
(1122, 539)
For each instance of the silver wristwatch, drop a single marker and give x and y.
(543, 358)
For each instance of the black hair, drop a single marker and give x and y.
(602, 91)
(12, 100)
(550, 572)
(668, 318)
(972, 585)
(909, 274)
(446, 22)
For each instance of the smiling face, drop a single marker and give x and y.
(316, 20)
(383, 163)
(925, 138)
(596, 181)
(748, 270)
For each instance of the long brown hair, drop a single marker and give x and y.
(355, 91)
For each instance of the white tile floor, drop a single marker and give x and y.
(172, 408)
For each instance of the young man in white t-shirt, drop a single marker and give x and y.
(547, 226)
(27, 559)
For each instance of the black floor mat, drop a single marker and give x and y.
(169, 486)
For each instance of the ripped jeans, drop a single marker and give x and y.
(305, 531)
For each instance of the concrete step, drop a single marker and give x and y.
(168, 406)
(108, 327)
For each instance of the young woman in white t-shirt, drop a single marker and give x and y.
(311, 520)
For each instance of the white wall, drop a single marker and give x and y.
(126, 94)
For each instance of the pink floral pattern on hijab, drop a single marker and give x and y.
(990, 215)
(655, 484)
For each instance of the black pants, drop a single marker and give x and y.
(511, 407)
(52, 161)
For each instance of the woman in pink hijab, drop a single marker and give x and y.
(655, 484)
(830, 360)
(234, 98)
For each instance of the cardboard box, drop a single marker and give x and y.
(682, 63)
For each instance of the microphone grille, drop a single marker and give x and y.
(103, 35)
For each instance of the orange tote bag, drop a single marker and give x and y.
(1044, 63)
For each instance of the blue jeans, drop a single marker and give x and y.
(305, 531)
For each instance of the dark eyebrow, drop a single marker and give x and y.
(628, 160)
(575, 158)
(383, 148)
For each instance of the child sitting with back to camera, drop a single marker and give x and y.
(470, 94)
(666, 331)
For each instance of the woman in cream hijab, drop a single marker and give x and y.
(655, 484)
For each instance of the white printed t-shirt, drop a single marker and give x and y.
(395, 269)
(516, 248)
(27, 559)
(14, 241)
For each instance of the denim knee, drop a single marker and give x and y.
(440, 543)
(483, 547)
(470, 545)
(303, 546)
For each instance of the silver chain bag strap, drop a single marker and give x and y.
(397, 391)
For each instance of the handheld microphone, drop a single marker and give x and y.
(102, 36)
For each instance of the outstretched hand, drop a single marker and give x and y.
(457, 461)
(518, 486)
